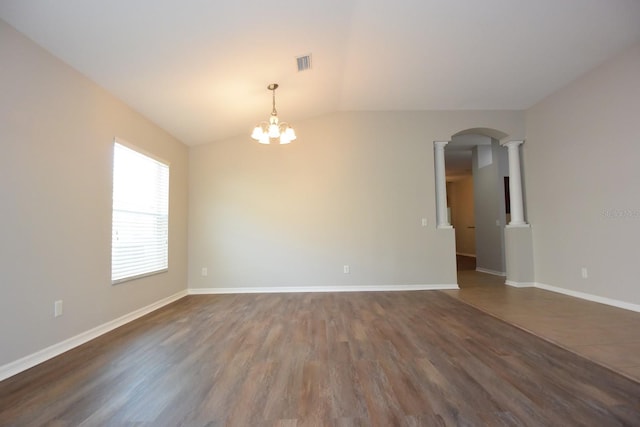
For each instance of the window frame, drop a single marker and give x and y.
(165, 257)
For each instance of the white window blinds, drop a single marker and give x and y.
(139, 241)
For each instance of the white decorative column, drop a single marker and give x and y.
(442, 218)
(515, 185)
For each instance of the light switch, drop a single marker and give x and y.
(57, 308)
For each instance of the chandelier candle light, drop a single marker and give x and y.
(264, 132)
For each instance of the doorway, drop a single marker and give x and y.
(476, 166)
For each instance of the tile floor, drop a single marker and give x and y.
(606, 335)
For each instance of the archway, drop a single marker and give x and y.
(474, 159)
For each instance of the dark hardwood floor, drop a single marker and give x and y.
(334, 359)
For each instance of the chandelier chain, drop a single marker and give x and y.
(274, 112)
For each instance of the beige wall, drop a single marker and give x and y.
(489, 209)
(350, 191)
(581, 165)
(56, 133)
(462, 215)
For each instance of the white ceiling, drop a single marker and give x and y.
(199, 68)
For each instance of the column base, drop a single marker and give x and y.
(523, 225)
(519, 254)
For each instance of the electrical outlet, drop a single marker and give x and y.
(346, 269)
(205, 272)
(424, 222)
(584, 272)
(57, 308)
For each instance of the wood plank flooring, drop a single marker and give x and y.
(330, 359)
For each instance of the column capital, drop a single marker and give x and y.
(512, 143)
(440, 143)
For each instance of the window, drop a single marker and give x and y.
(139, 239)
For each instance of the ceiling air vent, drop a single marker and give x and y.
(304, 62)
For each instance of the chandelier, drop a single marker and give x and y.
(265, 132)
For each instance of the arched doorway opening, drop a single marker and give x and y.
(477, 170)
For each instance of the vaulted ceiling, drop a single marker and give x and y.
(199, 69)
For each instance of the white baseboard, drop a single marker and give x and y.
(469, 255)
(519, 284)
(288, 289)
(590, 297)
(494, 272)
(17, 366)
